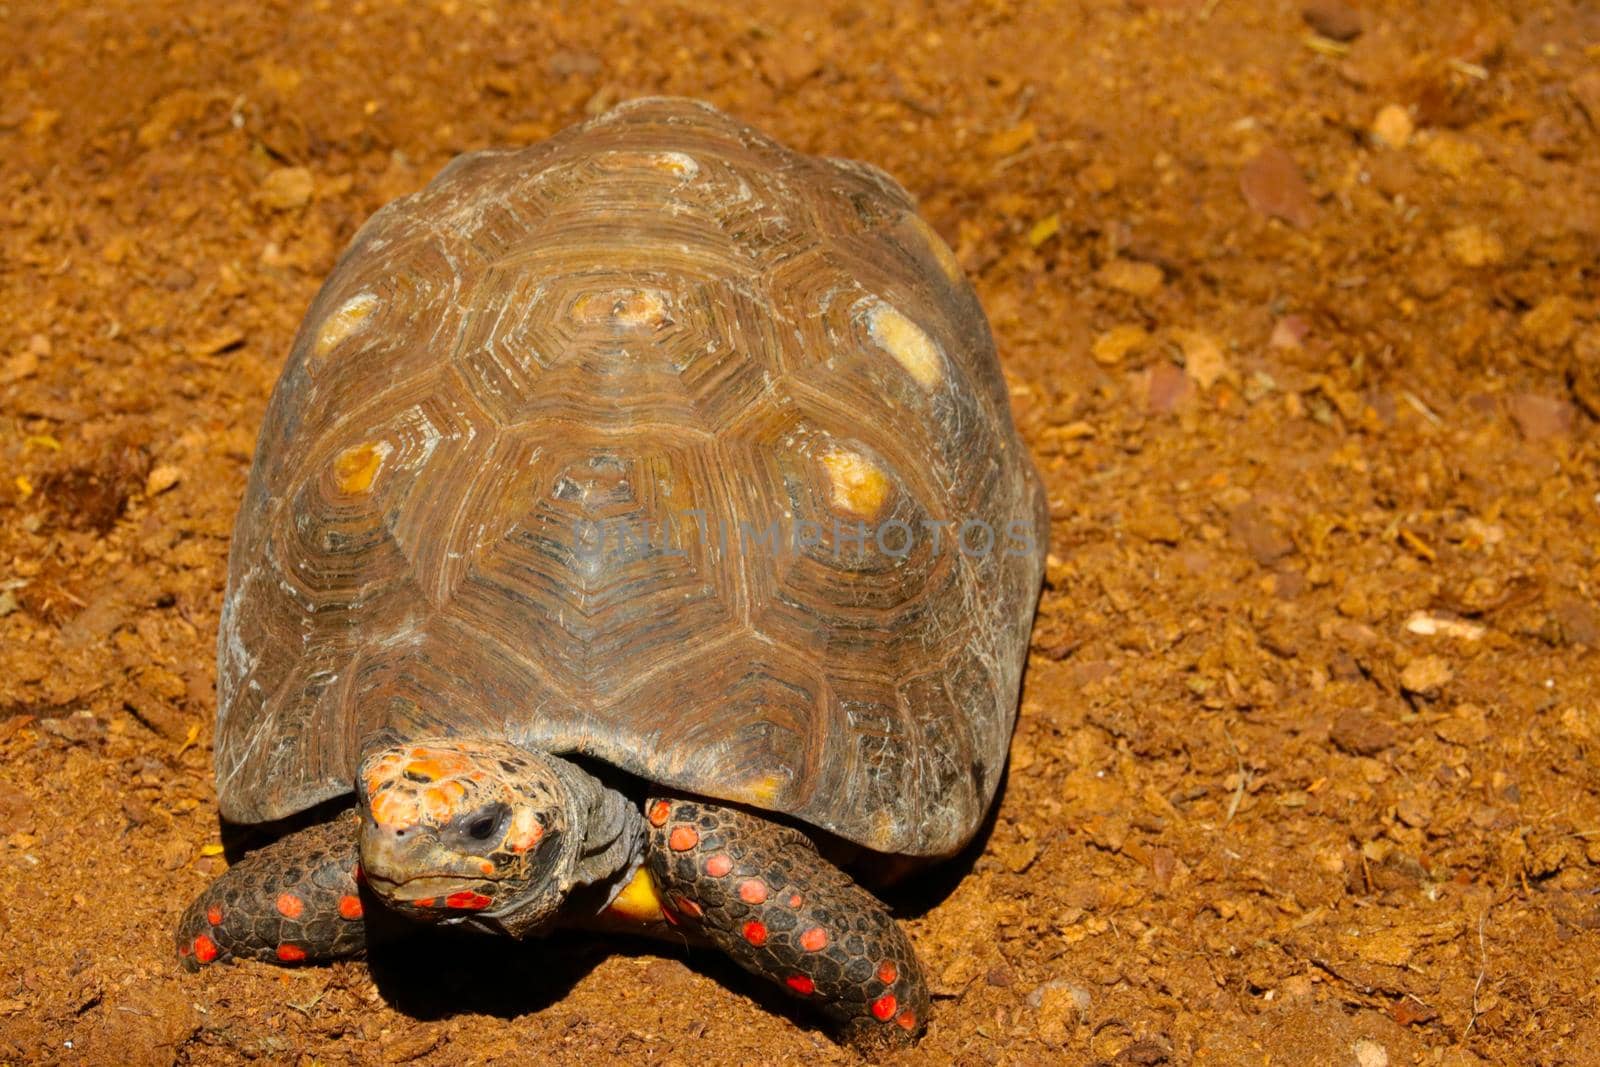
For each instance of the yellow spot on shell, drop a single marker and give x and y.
(859, 485)
(630, 309)
(638, 900)
(907, 343)
(676, 163)
(355, 469)
(765, 790)
(346, 319)
(941, 252)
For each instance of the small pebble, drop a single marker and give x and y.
(1130, 276)
(1274, 186)
(1473, 246)
(1425, 676)
(161, 479)
(1393, 126)
(286, 188)
(1116, 344)
(1333, 19)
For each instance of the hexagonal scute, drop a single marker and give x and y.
(612, 347)
(586, 553)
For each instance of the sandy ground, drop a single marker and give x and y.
(1301, 327)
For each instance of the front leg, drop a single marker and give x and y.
(291, 901)
(761, 893)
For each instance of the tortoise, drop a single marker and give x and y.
(638, 538)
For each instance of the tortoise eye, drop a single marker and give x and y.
(482, 827)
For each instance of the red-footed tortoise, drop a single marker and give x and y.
(638, 514)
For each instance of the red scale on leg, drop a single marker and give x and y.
(800, 984)
(290, 906)
(683, 838)
(291, 953)
(755, 932)
(205, 949)
(888, 972)
(753, 891)
(350, 907)
(660, 811)
(214, 915)
(719, 865)
(907, 1020)
(814, 939)
(883, 1007)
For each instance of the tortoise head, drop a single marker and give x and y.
(460, 830)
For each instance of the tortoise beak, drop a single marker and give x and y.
(409, 863)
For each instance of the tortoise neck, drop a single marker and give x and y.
(610, 830)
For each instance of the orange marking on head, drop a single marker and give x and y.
(487, 866)
(289, 905)
(907, 1019)
(350, 907)
(425, 902)
(394, 810)
(814, 939)
(291, 953)
(525, 831)
(888, 972)
(883, 1007)
(800, 984)
(753, 891)
(683, 838)
(437, 804)
(205, 949)
(467, 900)
(659, 812)
(214, 915)
(425, 768)
(755, 932)
(719, 865)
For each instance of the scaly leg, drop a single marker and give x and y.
(291, 901)
(761, 893)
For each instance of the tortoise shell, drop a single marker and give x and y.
(658, 443)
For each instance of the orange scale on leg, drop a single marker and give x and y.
(719, 865)
(814, 939)
(205, 949)
(214, 915)
(683, 838)
(350, 907)
(660, 811)
(888, 972)
(883, 1007)
(907, 1019)
(291, 953)
(753, 891)
(289, 905)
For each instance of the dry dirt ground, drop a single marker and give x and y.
(1300, 325)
